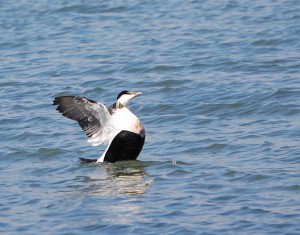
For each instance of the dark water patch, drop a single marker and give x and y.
(285, 93)
(292, 188)
(44, 152)
(165, 68)
(88, 9)
(266, 42)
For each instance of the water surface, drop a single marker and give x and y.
(220, 104)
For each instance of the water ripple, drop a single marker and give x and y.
(220, 105)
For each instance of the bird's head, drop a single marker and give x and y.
(125, 97)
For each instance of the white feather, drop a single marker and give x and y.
(124, 119)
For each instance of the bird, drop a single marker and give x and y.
(116, 127)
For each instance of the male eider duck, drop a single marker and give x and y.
(116, 127)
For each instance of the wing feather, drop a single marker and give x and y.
(93, 117)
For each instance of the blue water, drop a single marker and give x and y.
(220, 104)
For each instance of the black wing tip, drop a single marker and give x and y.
(86, 160)
(56, 101)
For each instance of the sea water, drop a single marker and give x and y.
(220, 105)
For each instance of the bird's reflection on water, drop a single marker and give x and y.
(121, 178)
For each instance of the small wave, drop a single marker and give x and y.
(88, 9)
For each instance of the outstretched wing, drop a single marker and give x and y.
(93, 117)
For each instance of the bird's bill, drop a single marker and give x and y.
(135, 93)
